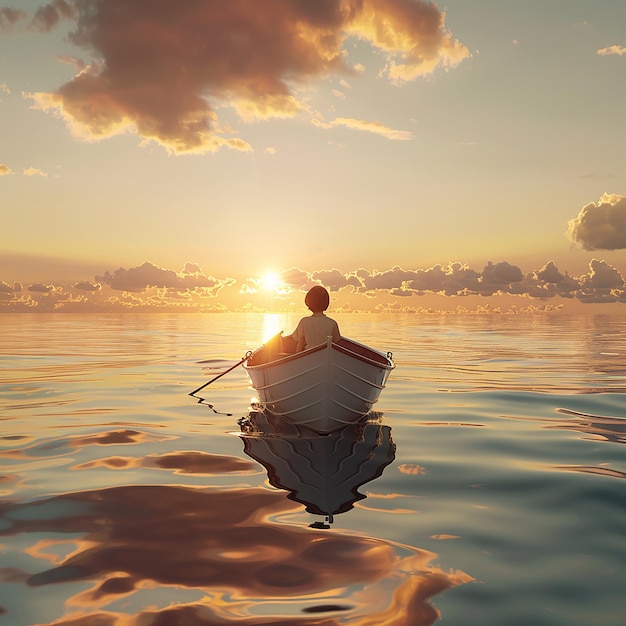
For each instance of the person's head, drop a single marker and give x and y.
(317, 299)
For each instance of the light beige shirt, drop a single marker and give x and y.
(314, 330)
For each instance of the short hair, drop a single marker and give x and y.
(317, 299)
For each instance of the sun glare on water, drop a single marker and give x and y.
(275, 291)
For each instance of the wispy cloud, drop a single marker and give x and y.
(48, 16)
(612, 50)
(376, 128)
(9, 18)
(43, 20)
(27, 171)
(163, 69)
(33, 171)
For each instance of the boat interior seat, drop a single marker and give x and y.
(275, 348)
(287, 345)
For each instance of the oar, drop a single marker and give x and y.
(230, 369)
(247, 356)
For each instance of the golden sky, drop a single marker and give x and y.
(177, 155)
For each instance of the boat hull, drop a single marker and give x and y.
(323, 388)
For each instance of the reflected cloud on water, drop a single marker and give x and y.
(150, 555)
(191, 463)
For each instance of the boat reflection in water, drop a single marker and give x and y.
(321, 471)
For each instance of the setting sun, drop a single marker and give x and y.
(272, 282)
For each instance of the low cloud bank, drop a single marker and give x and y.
(151, 288)
(138, 279)
(143, 288)
(603, 282)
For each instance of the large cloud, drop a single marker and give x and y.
(601, 225)
(162, 69)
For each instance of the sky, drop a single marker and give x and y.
(203, 155)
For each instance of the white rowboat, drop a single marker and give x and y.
(323, 388)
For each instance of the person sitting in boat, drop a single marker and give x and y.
(315, 329)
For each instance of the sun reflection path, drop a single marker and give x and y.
(273, 323)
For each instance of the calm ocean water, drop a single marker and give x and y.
(487, 490)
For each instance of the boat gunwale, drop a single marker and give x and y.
(385, 361)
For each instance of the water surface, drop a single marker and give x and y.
(487, 488)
